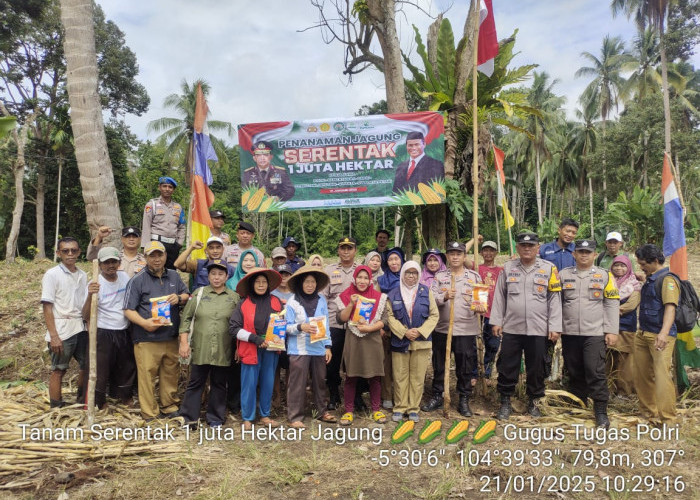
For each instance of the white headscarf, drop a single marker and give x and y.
(408, 294)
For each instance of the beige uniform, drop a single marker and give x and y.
(166, 220)
(527, 300)
(130, 266)
(341, 278)
(590, 302)
(466, 321)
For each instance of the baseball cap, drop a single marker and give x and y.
(283, 268)
(214, 239)
(108, 253)
(212, 263)
(278, 252)
(216, 213)
(154, 246)
(289, 240)
(489, 244)
(614, 235)
(129, 230)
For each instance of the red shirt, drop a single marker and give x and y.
(489, 275)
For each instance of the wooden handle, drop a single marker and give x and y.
(448, 352)
(92, 348)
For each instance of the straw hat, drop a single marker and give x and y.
(298, 277)
(245, 285)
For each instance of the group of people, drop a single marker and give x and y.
(381, 323)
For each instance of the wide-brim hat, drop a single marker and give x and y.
(296, 280)
(246, 283)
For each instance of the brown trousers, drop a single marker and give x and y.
(157, 359)
(299, 367)
(619, 363)
(653, 381)
(409, 379)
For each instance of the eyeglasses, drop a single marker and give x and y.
(70, 251)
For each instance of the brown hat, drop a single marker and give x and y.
(298, 277)
(246, 284)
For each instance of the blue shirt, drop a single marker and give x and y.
(560, 257)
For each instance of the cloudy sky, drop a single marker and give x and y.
(262, 66)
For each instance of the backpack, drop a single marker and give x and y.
(688, 309)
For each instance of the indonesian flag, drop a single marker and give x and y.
(499, 156)
(674, 234)
(488, 41)
(202, 196)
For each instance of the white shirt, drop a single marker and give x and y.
(67, 292)
(110, 306)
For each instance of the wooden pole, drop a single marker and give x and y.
(92, 347)
(448, 352)
(475, 182)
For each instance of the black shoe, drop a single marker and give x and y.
(172, 414)
(506, 409)
(57, 404)
(433, 403)
(332, 406)
(533, 408)
(463, 407)
(600, 408)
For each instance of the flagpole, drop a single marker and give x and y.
(475, 182)
(190, 176)
(677, 182)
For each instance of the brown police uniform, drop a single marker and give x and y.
(164, 222)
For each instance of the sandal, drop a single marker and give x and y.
(247, 425)
(328, 418)
(269, 421)
(298, 424)
(346, 419)
(379, 417)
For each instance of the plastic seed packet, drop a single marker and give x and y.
(363, 309)
(480, 296)
(276, 332)
(321, 331)
(160, 310)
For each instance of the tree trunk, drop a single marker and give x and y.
(605, 172)
(40, 198)
(590, 202)
(58, 204)
(96, 177)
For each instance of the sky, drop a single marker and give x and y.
(264, 64)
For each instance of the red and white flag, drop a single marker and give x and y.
(488, 41)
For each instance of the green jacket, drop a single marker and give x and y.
(211, 343)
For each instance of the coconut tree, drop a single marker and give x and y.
(177, 132)
(584, 142)
(652, 13)
(645, 79)
(606, 86)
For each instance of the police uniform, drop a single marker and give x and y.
(340, 279)
(224, 236)
(590, 309)
(274, 179)
(164, 222)
(465, 328)
(527, 305)
(129, 265)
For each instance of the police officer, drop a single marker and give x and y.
(590, 320)
(464, 330)
(244, 234)
(340, 278)
(526, 310)
(274, 179)
(291, 246)
(164, 221)
(131, 260)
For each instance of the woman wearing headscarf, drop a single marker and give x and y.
(373, 260)
(412, 317)
(210, 349)
(620, 361)
(316, 261)
(387, 282)
(433, 262)
(363, 355)
(247, 262)
(248, 325)
(306, 356)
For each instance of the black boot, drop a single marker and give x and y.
(463, 407)
(506, 409)
(533, 408)
(600, 409)
(334, 398)
(433, 403)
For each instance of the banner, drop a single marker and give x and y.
(378, 160)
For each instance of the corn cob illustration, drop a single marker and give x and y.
(256, 199)
(484, 432)
(403, 432)
(430, 431)
(458, 430)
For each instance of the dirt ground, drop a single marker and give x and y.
(557, 456)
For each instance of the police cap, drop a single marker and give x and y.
(527, 237)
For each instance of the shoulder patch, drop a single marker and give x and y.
(611, 291)
(554, 284)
